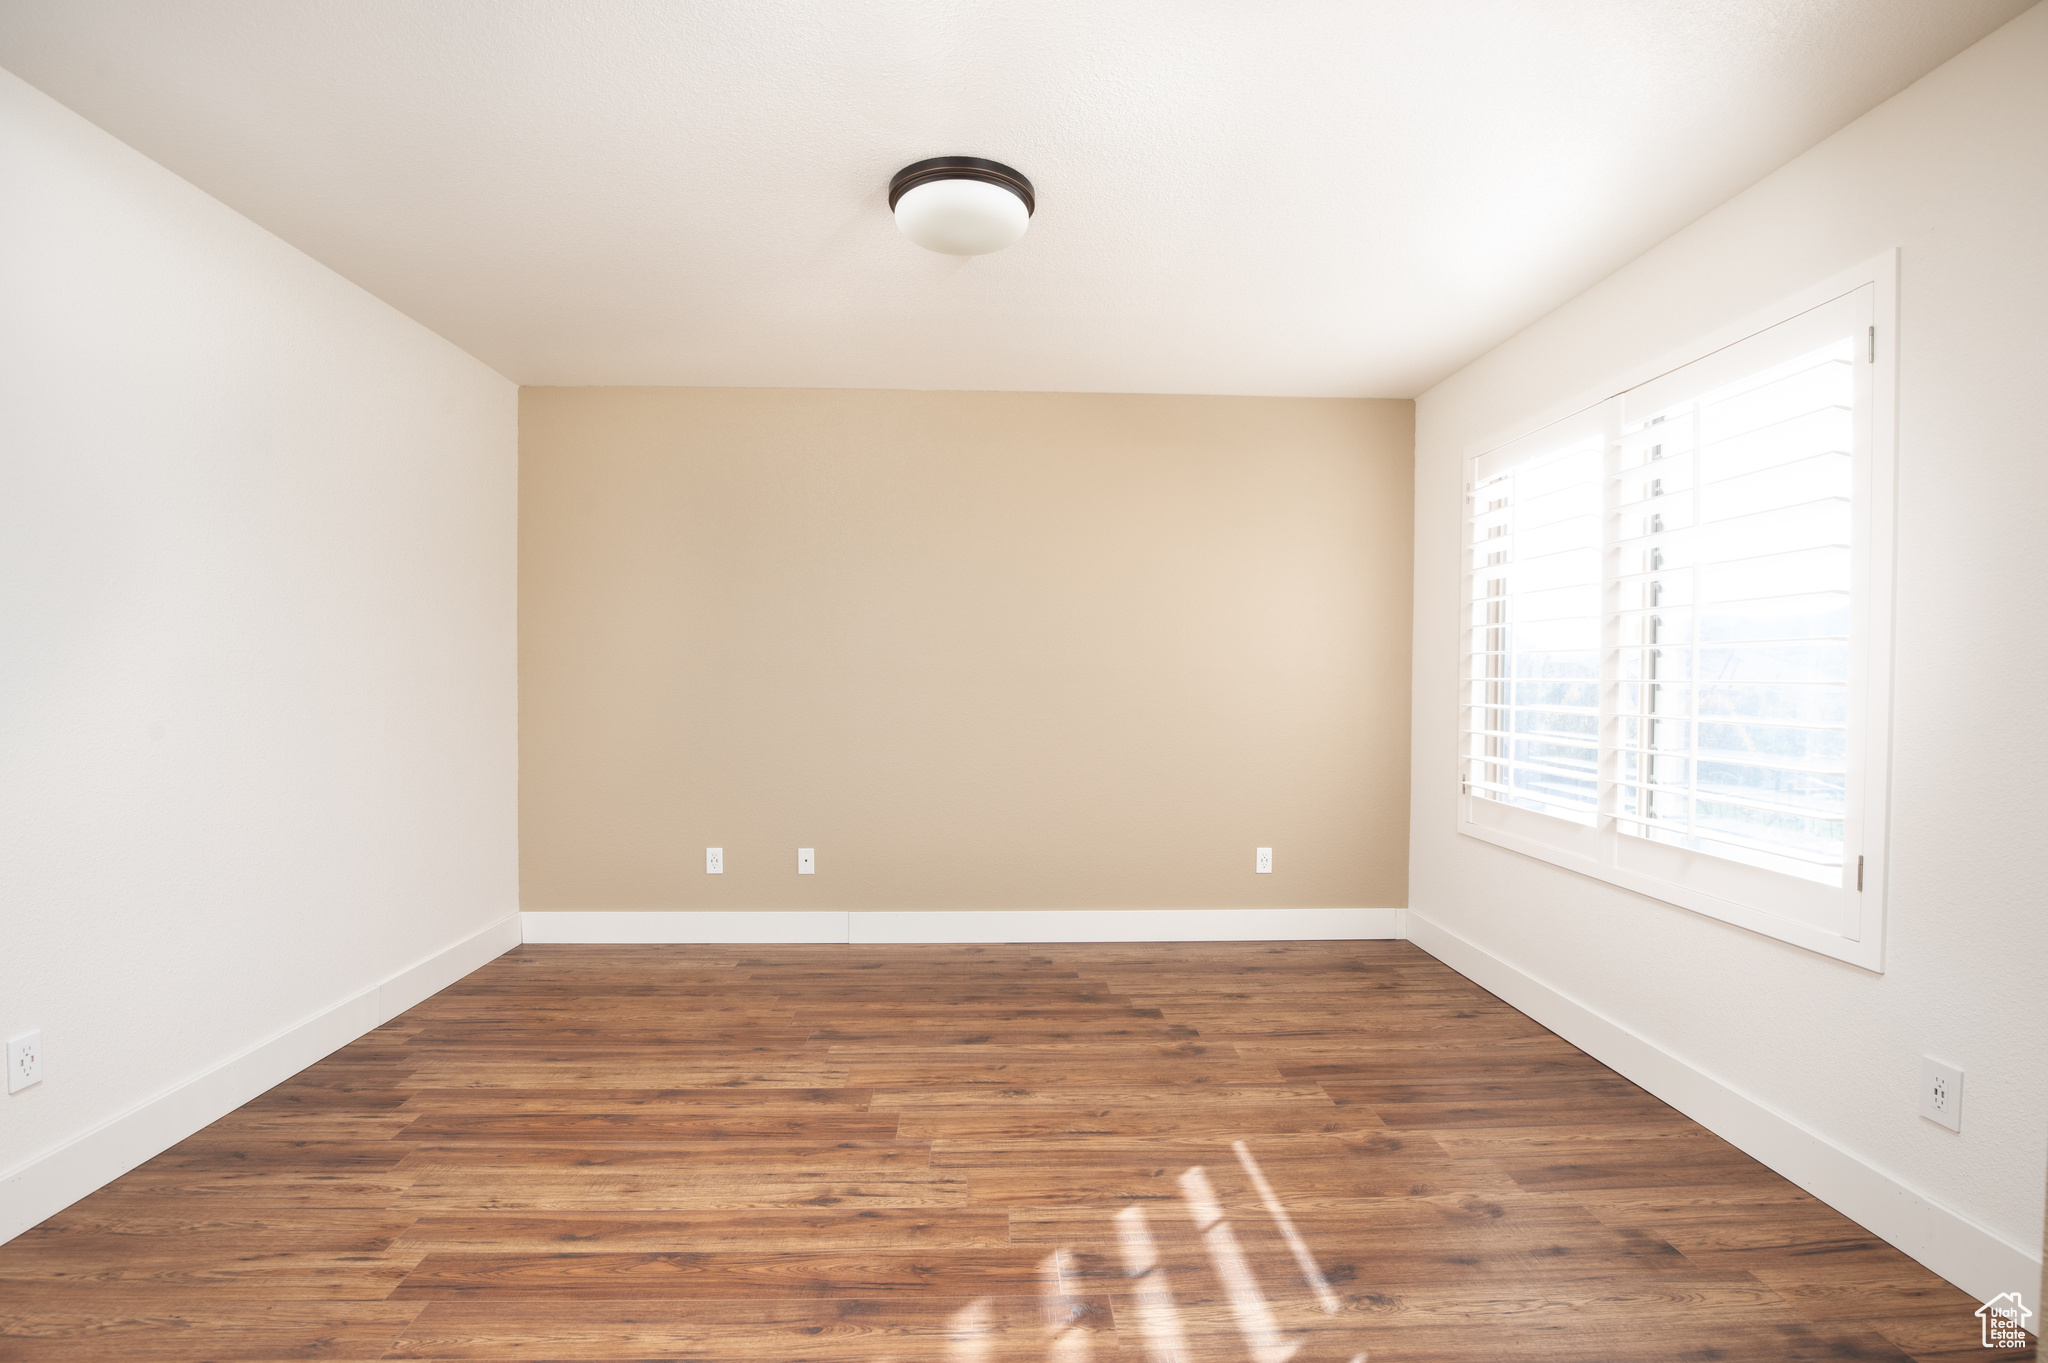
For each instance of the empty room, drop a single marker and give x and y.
(937, 682)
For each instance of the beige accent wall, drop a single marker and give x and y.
(980, 650)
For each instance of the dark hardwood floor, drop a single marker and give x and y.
(1315, 1152)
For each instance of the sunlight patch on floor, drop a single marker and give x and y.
(1318, 1284)
(1254, 1317)
(1146, 1300)
(1158, 1322)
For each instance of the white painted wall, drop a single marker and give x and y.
(1953, 170)
(257, 684)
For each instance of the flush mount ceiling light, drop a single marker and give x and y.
(961, 205)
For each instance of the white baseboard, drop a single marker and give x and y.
(1124, 925)
(1974, 1258)
(737, 927)
(45, 1184)
(647, 927)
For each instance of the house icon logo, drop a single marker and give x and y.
(2005, 1321)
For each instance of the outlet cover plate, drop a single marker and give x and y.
(1941, 1093)
(806, 861)
(24, 1061)
(714, 861)
(1262, 861)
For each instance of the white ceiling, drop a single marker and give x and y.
(1285, 197)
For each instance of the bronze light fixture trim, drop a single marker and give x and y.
(962, 205)
(962, 168)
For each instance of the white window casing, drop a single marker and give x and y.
(1675, 643)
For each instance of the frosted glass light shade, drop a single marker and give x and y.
(961, 217)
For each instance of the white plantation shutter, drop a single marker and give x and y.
(1731, 614)
(1532, 677)
(1667, 662)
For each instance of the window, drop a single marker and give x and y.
(1676, 637)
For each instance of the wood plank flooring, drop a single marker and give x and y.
(1278, 1152)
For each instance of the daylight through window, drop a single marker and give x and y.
(1668, 651)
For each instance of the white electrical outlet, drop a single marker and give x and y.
(1941, 1093)
(1264, 864)
(24, 1061)
(806, 861)
(714, 861)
